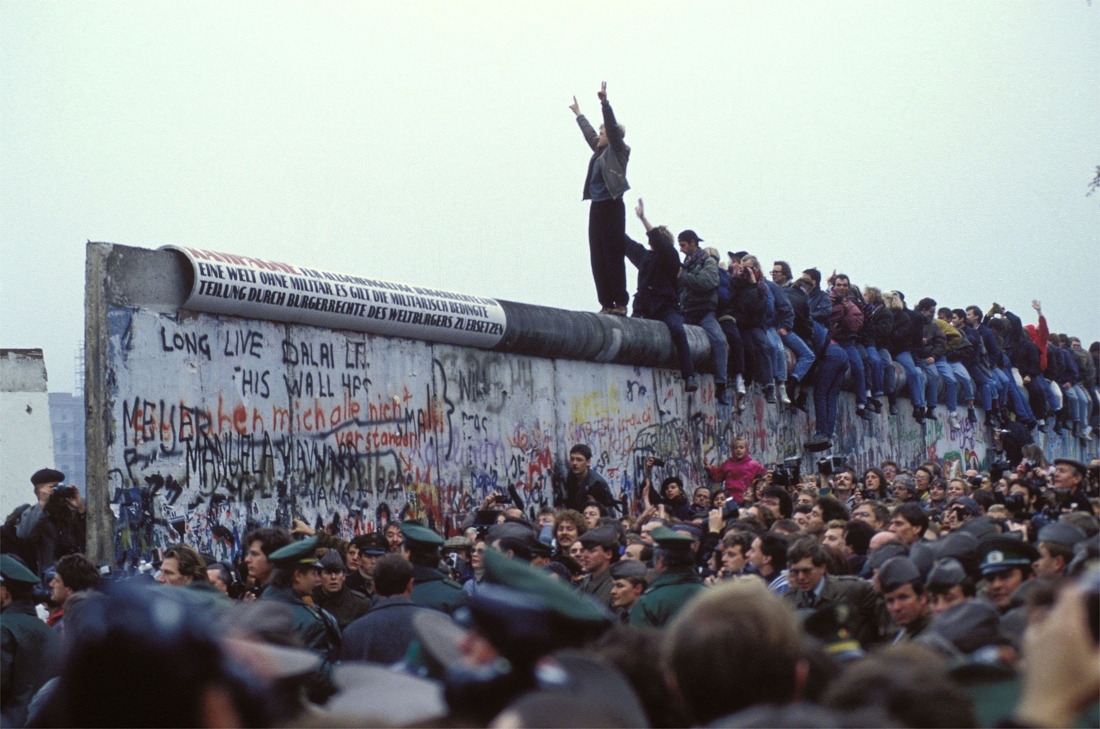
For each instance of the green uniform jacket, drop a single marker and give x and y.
(432, 589)
(30, 655)
(599, 587)
(664, 598)
(317, 629)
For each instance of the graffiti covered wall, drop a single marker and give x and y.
(214, 424)
(221, 422)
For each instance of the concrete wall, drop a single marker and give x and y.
(26, 441)
(207, 424)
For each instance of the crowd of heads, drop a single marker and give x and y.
(764, 597)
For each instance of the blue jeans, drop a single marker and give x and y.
(779, 355)
(962, 378)
(805, 356)
(717, 343)
(1013, 396)
(1053, 405)
(985, 386)
(889, 374)
(933, 373)
(1079, 404)
(914, 379)
(674, 320)
(856, 363)
(830, 373)
(875, 361)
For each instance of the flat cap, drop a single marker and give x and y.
(887, 551)
(1080, 467)
(295, 553)
(629, 568)
(897, 572)
(419, 537)
(922, 554)
(966, 623)
(980, 527)
(945, 574)
(15, 571)
(998, 554)
(1060, 533)
(47, 475)
(458, 543)
(967, 503)
(958, 544)
(332, 562)
(603, 536)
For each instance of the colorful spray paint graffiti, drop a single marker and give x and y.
(219, 424)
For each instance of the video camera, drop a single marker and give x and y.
(831, 464)
(789, 473)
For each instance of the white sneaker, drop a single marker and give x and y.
(739, 384)
(953, 421)
(781, 388)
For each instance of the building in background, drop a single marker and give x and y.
(26, 439)
(67, 422)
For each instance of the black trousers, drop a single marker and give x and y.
(606, 248)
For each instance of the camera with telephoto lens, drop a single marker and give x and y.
(789, 473)
(829, 466)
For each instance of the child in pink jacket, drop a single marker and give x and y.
(737, 471)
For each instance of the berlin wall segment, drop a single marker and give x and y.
(218, 423)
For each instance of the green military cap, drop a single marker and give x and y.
(554, 594)
(669, 539)
(295, 554)
(998, 554)
(418, 536)
(833, 626)
(14, 570)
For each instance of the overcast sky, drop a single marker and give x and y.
(939, 148)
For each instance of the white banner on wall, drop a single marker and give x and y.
(255, 288)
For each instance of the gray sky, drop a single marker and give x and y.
(940, 148)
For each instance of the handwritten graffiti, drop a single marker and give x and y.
(221, 424)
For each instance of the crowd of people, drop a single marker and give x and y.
(764, 597)
(829, 329)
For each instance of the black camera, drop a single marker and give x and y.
(1016, 502)
(658, 462)
(503, 499)
(64, 492)
(829, 466)
(789, 473)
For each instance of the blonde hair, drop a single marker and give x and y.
(892, 300)
(713, 253)
(872, 294)
(750, 261)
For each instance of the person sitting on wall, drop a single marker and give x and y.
(658, 297)
(583, 484)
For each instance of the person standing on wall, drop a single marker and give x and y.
(605, 185)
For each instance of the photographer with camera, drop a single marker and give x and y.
(57, 524)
